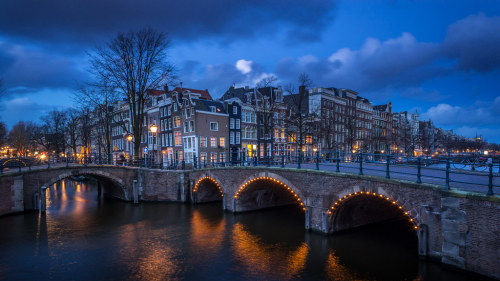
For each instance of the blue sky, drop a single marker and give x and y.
(439, 58)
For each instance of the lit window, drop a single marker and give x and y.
(222, 142)
(213, 141)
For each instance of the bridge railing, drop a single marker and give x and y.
(482, 175)
(478, 176)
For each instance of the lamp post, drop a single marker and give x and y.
(153, 130)
(129, 138)
(254, 154)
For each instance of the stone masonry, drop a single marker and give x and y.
(459, 229)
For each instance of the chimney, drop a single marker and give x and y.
(302, 90)
(165, 88)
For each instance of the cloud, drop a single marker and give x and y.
(24, 67)
(88, 20)
(244, 66)
(396, 62)
(218, 78)
(478, 114)
(474, 42)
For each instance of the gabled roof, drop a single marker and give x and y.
(381, 107)
(204, 94)
(240, 93)
(204, 105)
(155, 92)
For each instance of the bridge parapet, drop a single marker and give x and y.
(458, 228)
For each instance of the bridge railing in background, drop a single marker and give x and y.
(452, 172)
(480, 176)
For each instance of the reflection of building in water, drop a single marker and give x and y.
(146, 253)
(272, 259)
(336, 271)
(206, 235)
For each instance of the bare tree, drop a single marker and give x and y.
(100, 97)
(133, 63)
(3, 134)
(21, 137)
(72, 130)
(266, 107)
(53, 129)
(299, 121)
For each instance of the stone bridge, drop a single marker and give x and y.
(459, 229)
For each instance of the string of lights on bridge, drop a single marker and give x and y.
(275, 181)
(208, 179)
(374, 194)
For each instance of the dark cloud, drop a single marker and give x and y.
(474, 42)
(23, 67)
(86, 20)
(218, 78)
(394, 63)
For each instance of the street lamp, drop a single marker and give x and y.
(153, 130)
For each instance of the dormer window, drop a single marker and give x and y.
(213, 109)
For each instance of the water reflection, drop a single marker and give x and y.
(259, 257)
(207, 234)
(82, 237)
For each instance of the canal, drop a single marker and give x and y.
(83, 237)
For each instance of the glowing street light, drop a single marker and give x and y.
(153, 128)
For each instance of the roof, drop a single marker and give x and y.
(204, 105)
(240, 93)
(155, 92)
(382, 107)
(204, 93)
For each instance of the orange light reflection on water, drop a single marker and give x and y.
(207, 236)
(259, 257)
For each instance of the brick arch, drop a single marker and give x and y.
(377, 193)
(96, 174)
(212, 176)
(271, 177)
(209, 179)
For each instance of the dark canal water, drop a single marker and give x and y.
(85, 238)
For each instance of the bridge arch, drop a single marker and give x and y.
(113, 185)
(207, 189)
(351, 207)
(286, 193)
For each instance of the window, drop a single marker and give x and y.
(237, 123)
(192, 110)
(177, 122)
(231, 123)
(203, 141)
(178, 138)
(169, 110)
(213, 141)
(222, 142)
(213, 109)
(222, 157)
(191, 126)
(237, 137)
(175, 107)
(235, 110)
(214, 126)
(231, 138)
(186, 127)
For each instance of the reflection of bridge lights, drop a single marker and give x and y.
(336, 203)
(273, 180)
(210, 179)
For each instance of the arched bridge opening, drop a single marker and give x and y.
(363, 208)
(106, 184)
(207, 189)
(266, 192)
